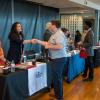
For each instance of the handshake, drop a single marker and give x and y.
(34, 41)
(44, 43)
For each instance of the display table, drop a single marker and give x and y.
(14, 86)
(96, 56)
(23, 83)
(75, 66)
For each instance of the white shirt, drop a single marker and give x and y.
(58, 38)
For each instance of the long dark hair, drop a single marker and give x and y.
(13, 29)
(78, 32)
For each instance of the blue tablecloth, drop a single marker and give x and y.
(75, 66)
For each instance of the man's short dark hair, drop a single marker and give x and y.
(89, 23)
(56, 23)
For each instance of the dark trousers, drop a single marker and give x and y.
(89, 66)
(57, 68)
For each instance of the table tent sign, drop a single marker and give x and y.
(37, 78)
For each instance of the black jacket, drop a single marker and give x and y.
(77, 38)
(16, 47)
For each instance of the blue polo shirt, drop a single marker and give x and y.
(56, 38)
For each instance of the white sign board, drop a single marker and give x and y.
(37, 78)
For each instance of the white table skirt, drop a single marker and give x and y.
(37, 78)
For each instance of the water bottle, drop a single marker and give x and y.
(34, 62)
(24, 58)
(12, 66)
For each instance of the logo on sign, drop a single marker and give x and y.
(38, 74)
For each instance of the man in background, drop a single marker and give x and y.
(46, 37)
(88, 45)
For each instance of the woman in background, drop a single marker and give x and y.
(69, 40)
(77, 38)
(2, 59)
(16, 38)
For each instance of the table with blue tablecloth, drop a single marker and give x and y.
(96, 56)
(75, 66)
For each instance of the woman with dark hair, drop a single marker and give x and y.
(69, 39)
(16, 38)
(77, 38)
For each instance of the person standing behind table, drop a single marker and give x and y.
(58, 54)
(69, 40)
(88, 45)
(65, 31)
(77, 38)
(16, 38)
(46, 37)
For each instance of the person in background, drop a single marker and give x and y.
(2, 58)
(58, 54)
(66, 32)
(46, 37)
(77, 38)
(16, 38)
(88, 45)
(69, 40)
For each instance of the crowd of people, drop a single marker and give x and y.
(56, 42)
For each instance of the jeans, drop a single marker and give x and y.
(57, 68)
(89, 66)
